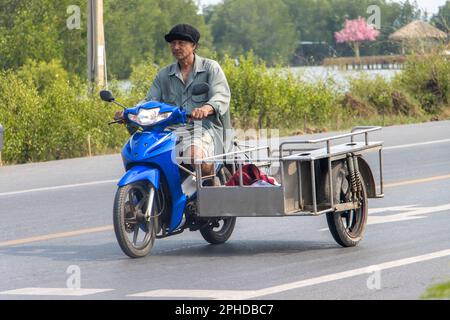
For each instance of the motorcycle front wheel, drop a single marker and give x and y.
(135, 208)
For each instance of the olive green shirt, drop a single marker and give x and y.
(169, 87)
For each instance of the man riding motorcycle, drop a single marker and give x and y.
(210, 111)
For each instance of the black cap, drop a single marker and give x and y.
(183, 32)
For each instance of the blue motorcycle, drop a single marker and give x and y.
(156, 198)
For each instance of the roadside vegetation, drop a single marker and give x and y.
(50, 114)
(438, 291)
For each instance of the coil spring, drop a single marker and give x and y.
(352, 174)
(357, 177)
(353, 181)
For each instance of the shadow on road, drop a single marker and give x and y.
(175, 248)
(246, 248)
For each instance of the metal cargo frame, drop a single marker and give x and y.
(298, 193)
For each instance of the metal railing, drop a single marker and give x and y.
(357, 131)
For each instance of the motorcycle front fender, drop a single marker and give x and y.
(141, 173)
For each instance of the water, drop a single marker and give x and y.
(340, 77)
(125, 86)
(315, 74)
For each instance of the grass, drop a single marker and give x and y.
(438, 291)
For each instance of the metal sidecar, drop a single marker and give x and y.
(315, 177)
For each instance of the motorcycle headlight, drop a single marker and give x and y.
(147, 117)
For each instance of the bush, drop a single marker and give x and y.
(142, 76)
(380, 95)
(427, 79)
(263, 98)
(42, 75)
(423, 86)
(438, 291)
(47, 118)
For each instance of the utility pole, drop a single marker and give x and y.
(96, 44)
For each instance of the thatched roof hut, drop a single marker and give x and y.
(418, 30)
(418, 36)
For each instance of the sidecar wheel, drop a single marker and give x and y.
(218, 231)
(134, 234)
(347, 227)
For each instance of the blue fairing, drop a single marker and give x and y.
(140, 173)
(150, 156)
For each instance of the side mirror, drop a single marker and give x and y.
(200, 89)
(107, 96)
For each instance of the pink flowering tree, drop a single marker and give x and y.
(356, 32)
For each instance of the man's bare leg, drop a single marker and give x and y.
(197, 153)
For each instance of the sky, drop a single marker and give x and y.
(432, 6)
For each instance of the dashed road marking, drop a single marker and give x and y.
(416, 181)
(55, 236)
(410, 212)
(68, 186)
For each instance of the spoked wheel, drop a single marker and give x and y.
(218, 231)
(135, 207)
(347, 227)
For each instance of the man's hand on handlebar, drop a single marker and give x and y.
(197, 114)
(118, 117)
(202, 113)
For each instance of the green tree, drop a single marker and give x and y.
(135, 30)
(38, 30)
(409, 12)
(262, 26)
(442, 19)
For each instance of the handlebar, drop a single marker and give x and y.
(116, 122)
(190, 120)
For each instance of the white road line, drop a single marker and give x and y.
(94, 183)
(69, 186)
(396, 208)
(196, 294)
(115, 181)
(413, 145)
(251, 294)
(410, 212)
(54, 292)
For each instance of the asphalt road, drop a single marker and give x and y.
(56, 222)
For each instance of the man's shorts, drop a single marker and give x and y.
(200, 138)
